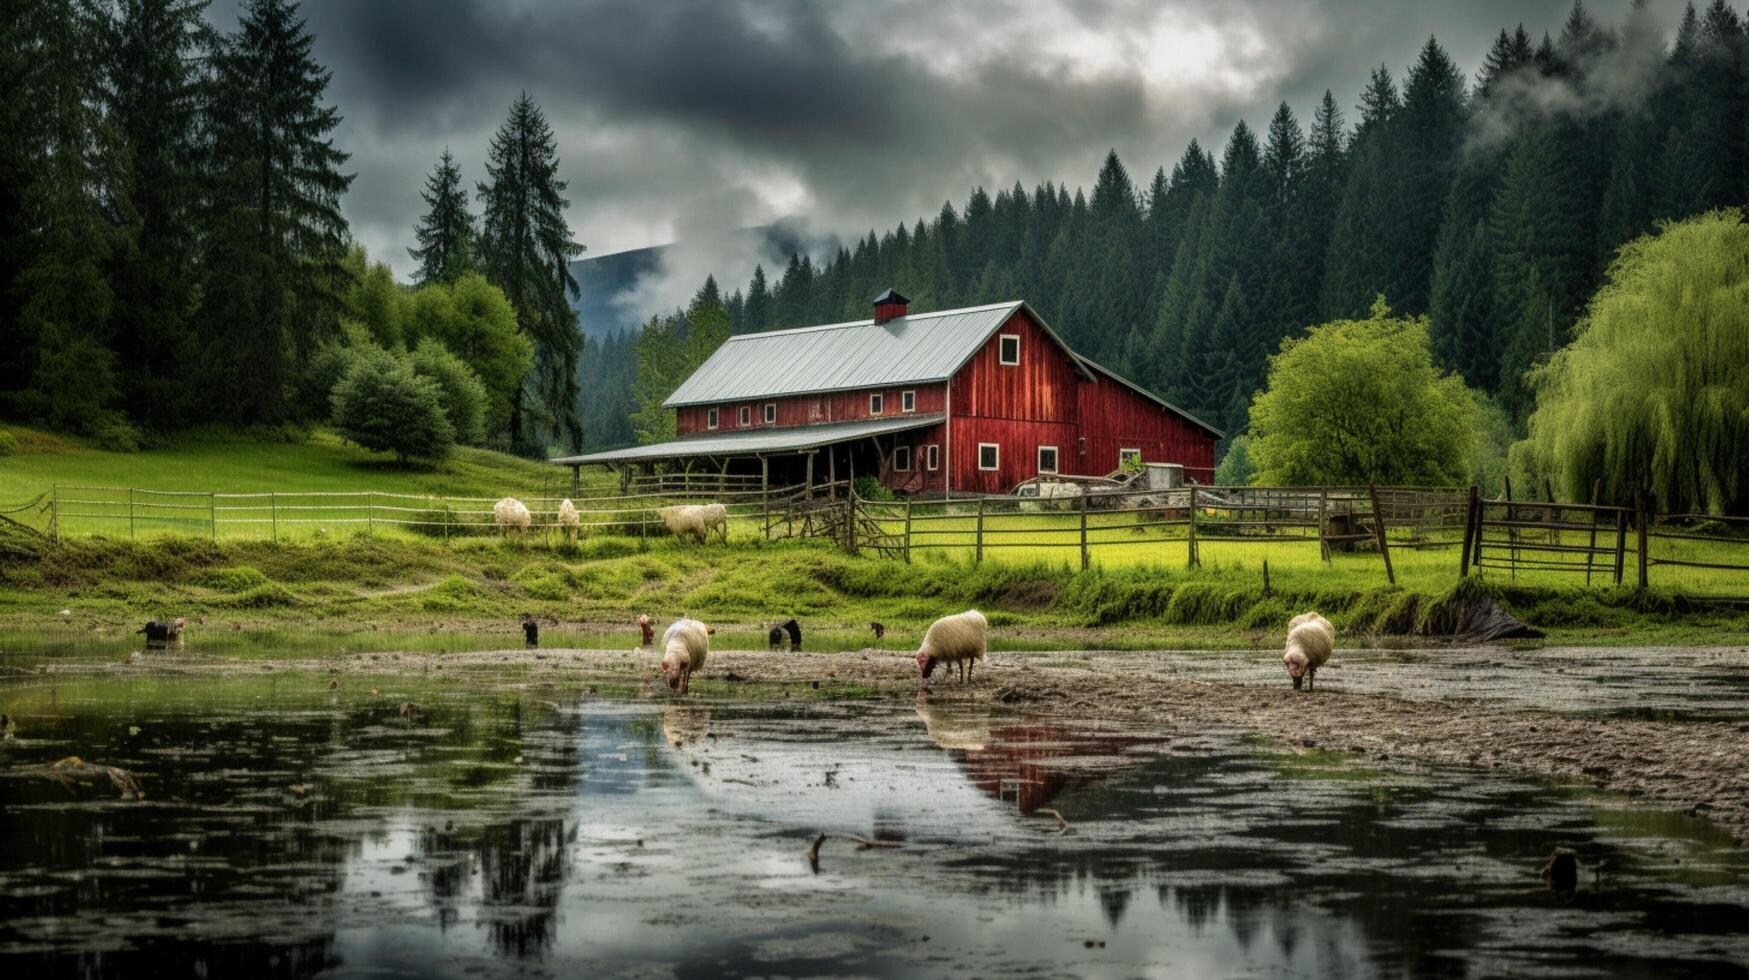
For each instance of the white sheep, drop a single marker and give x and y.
(568, 519)
(685, 644)
(716, 518)
(957, 639)
(1310, 641)
(512, 515)
(688, 520)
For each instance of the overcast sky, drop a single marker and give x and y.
(681, 120)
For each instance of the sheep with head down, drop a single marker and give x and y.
(568, 519)
(512, 515)
(685, 644)
(1310, 642)
(958, 639)
(695, 521)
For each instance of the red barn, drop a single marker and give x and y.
(972, 400)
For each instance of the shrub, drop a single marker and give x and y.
(115, 434)
(315, 383)
(464, 396)
(8, 443)
(383, 406)
(261, 597)
(870, 488)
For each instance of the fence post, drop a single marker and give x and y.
(1645, 517)
(370, 511)
(1469, 531)
(765, 510)
(1511, 529)
(55, 514)
(1323, 505)
(1378, 526)
(1192, 557)
(212, 513)
(1083, 529)
(1621, 544)
(978, 556)
(850, 518)
(130, 513)
(907, 532)
(273, 513)
(1591, 549)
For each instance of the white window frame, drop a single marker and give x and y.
(1002, 340)
(1123, 454)
(932, 457)
(907, 401)
(902, 453)
(877, 403)
(745, 418)
(996, 448)
(771, 413)
(711, 418)
(1056, 457)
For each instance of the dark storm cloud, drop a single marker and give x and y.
(688, 119)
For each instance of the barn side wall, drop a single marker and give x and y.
(842, 406)
(1115, 417)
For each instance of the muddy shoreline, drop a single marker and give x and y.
(1697, 767)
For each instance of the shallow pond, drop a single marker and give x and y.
(291, 829)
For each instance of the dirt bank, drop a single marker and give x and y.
(1693, 766)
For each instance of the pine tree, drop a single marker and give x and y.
(446, 232)
(525, 249)
(758, 316)
(1432, 129)
(64, 300)
(153, 51)
(277, 243)
(1363, 258)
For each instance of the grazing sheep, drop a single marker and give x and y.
(958, 639)
(568, 519)
(646, 632)
(716, 518)
(685, 645)
(685, 521)
(1310, 641)
(512, 515)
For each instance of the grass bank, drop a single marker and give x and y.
(590, 592)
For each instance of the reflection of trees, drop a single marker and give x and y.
(260, 862)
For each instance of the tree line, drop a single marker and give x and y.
(1491, 207)
(172, 249)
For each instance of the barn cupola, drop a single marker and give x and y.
(889, 305)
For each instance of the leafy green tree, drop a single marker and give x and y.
(446, 232)
(373, 300)
(1653, 392)
(464, 396)
(1235, 468)
(274, 256)
(525, 249)
(473, 320)
(383, 405)
(668, 351)
(1360, 401)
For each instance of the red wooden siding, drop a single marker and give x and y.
(841, 406)
(1041, 388)
(1115, 417)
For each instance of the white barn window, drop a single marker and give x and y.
(1047, 459)
(989, 456)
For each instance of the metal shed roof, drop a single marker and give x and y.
(914, 349)
(748, 442)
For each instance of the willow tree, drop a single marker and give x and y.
(1360, 401)
(1653, 392)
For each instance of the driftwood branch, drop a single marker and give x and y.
(862, 844)
(72, 772)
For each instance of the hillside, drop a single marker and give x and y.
(229, 463)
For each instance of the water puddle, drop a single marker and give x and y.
(292, 829)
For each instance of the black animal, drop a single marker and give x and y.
(161, 633)
(776, 636)
(530, 630)
(880, 629)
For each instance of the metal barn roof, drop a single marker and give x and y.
(747, 442)
(916, 349)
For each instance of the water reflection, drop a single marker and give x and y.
(291, 830)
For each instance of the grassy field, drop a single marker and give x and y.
(1139, 591)
(228, 463)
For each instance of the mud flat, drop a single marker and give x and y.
(1569, 714)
